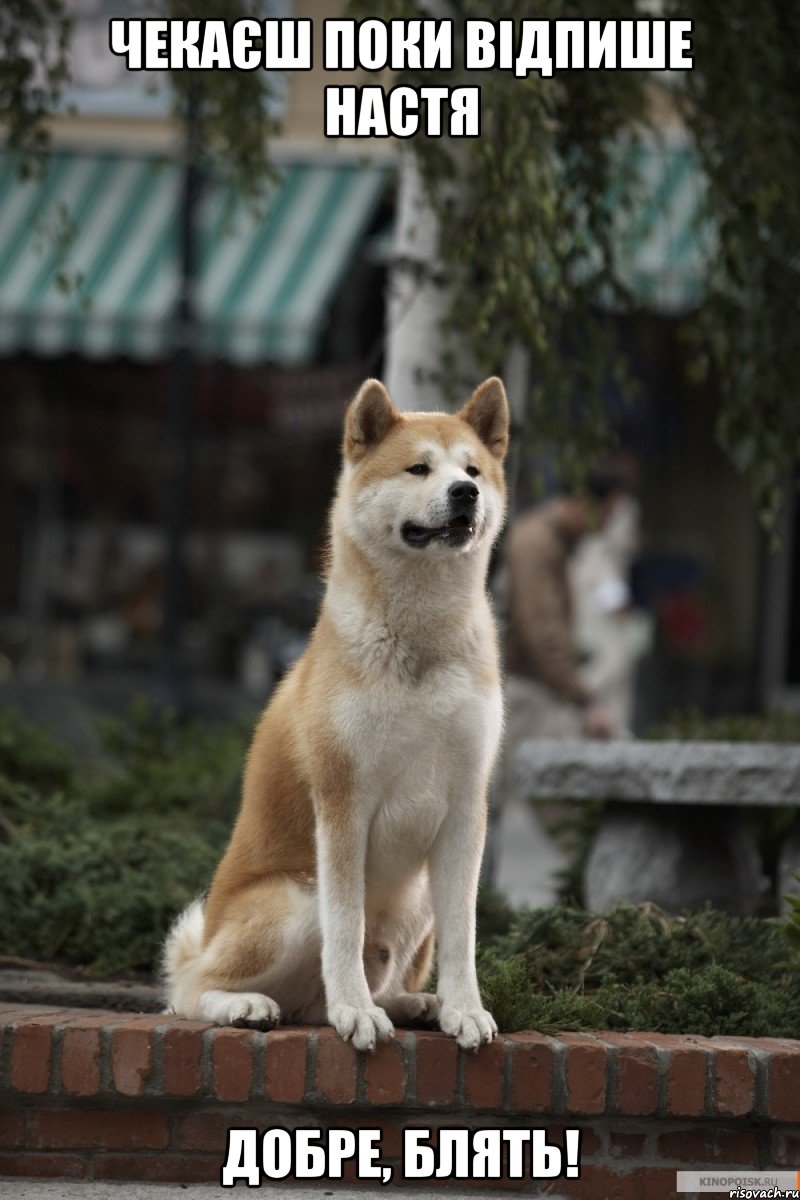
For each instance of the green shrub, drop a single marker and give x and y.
(30, 756)
(638, 968)
(691, 725)
(100, 894)
(710, 1002)
(95, 863)
(792, 922)
(160, 765)
(568, 947)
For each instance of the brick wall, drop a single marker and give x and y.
(118, 1096)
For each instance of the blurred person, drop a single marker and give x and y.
(611, 634)
(547, 695)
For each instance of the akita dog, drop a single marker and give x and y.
(363, 814)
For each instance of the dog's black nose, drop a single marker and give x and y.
(462, 494)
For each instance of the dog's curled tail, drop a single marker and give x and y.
(182, 950)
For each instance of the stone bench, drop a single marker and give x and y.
(672, 832)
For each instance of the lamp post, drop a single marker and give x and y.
(180, 404)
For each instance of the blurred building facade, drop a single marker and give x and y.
(290, 304)
(289, 316)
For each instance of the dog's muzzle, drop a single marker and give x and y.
(462, 498)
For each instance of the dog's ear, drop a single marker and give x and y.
(369, 418)
(487, 412)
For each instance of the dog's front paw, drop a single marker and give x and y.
(469, 1026)
(361, 1026)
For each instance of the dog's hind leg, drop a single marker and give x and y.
(412, 1004)
(262, 958)
(251, 1009)
(419, 968)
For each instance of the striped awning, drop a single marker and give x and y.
(663, 245)
(89, 257)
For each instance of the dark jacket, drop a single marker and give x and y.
(540, 641)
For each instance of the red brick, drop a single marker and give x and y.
(437, 1063)
(80, 1061)
(12, 1013)
(285, 1079)
(205, 1131)
(158, 1168)
(90, 1019)
(637, 1074)
(770, 1044)
(785, 1147)
(734, 1083)
(385, 1073)
(709, 1146)
(784, 1085)
(687, 1072)
(31, 1054)
(590, 1143)
(624, 1145)
(483, 1075)
(232, 1063)
(585, 1074)
(351, 1180)
(603, 1183)
(131, 1059)
(337, 1065)
(41, 1166)
(532, 1059)
(723, 1042)
(437, 1124)
(100, 1016)
(391, 1139)
(658, 1183)
(12, 1128)
(182, 1050)
(78, 1129)
(480, 1186)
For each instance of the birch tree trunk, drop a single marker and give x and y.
(418, 298)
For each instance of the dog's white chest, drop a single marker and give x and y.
(392, 731)
(415, 751)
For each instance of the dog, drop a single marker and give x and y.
(363, 811)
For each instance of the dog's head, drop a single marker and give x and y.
(427, 484)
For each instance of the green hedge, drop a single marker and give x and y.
(637, 968)
(96, 859)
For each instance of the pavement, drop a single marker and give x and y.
(61, 1189)
(23, 982)
(527, 859)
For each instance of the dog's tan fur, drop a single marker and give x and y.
(347, 841)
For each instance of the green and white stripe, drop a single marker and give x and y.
(266, 279)
(663, 245)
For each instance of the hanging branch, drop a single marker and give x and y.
(534, 197)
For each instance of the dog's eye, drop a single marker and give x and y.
(419, 469)
(472, 471)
